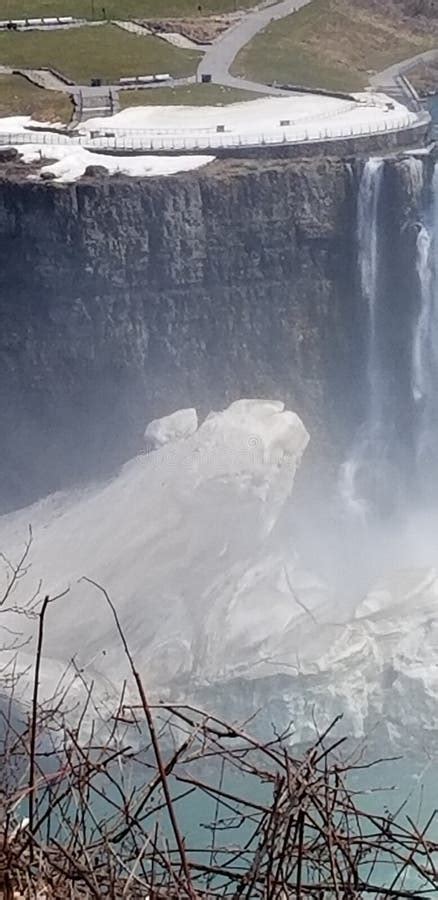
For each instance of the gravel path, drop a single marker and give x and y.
(221, 55)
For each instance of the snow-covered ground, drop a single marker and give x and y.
(257, 116)
(73, 161)
(208, 588)
(72, 157)
(269, 120)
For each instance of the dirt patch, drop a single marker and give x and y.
(421, 15)
(203, 29)
(425, 78)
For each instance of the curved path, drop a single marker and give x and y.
(221, 55)
(389, 76)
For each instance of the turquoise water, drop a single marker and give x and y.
(405, 789)
(432, 105)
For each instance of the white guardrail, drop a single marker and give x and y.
(148, 140)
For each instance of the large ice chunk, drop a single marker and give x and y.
(180, 539)
(180, 424)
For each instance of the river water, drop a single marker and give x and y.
(432, 105)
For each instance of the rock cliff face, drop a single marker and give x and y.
(123, 300)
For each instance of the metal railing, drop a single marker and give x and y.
(174, 141)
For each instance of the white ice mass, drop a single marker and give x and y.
(180, 424)
(188, 542)
(179, 538)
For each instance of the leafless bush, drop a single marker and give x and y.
(82, 817)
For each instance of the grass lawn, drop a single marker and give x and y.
(193, 95)
(118, 9)
(103, 50)
(19, 97)
(330, 43)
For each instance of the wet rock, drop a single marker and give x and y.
(95, 171)
(8, 154)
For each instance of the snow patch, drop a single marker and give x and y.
(251, 116)
(72, 159)
(72, 162)
(294, 117)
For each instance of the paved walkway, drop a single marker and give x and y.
(393, 81)
(45, 78)
(221, 55)
(389, 76)
(132, 27)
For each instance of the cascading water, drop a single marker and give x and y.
(368, 260)
(368, 208)
(371, 467)
(425, 338)
(422, 331)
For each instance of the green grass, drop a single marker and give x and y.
(193, 95)
(118, 9)
(19, 97)
(103, 50)
(333, 44)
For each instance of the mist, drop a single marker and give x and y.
(287, 537)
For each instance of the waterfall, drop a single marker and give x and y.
(425, 337)
(382, 444)
(421, 335)
(367, 226)
(422, 331)
(434, 309)
(368, 262)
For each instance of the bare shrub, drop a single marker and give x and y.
(86, 816)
